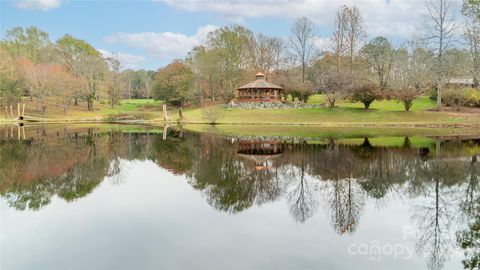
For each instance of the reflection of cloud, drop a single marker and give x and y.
(43, 5)
(165, 45)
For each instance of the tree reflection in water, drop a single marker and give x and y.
(439, 180)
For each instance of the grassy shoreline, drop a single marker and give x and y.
(383, 114)
(312, 134)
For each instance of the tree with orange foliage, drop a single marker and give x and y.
(63, 85)
(37, 78)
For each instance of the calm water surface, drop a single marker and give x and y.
(102, 198)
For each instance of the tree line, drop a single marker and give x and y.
(67, 71)
(350, 65)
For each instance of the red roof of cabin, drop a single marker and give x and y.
(260, 83)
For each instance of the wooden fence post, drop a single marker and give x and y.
(18, 111)
(11, 111)
(23, 110)
(165, 116)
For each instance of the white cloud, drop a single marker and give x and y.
(43, 5)
(164, 46)
(128, 61)
(398, 18)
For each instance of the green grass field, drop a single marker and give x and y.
(134, 108)
(386, 113)
(421, 104)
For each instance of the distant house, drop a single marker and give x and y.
(462, 82)
(259, 90)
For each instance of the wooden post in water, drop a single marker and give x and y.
(23, 131)
(23, 111)
(18, 132)
(165, 131)
(11, 111)
(18, 111)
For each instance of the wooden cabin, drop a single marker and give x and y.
(259, 90)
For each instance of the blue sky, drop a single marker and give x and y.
(149, 34)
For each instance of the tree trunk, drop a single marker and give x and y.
(439, 95)
(90, 103)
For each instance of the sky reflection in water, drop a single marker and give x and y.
(100, 198)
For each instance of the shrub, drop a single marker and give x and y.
(461, 97)
(453, 98)
(472, 97)
(212, 114)
(366, 93)
(335, 85)
(406, 95)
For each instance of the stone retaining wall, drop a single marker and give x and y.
(271, 105)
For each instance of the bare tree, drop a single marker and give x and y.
(440, 29)
(147, 79)
(472, 38)
(338, 39)
(267, 52)
(355, 34)
(93, 70)
(335, 85)
(302, 42)
(114, 82)
(37, 78)
(379, 54)
(412, 72)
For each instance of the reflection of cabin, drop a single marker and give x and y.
(461, 82)
(259, 90)
(260, 152)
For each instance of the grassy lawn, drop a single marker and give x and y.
(129, 106)
(421, 104)
(385, 113)
(136, 108)
(346, 113)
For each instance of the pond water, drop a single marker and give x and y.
(110, 197)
